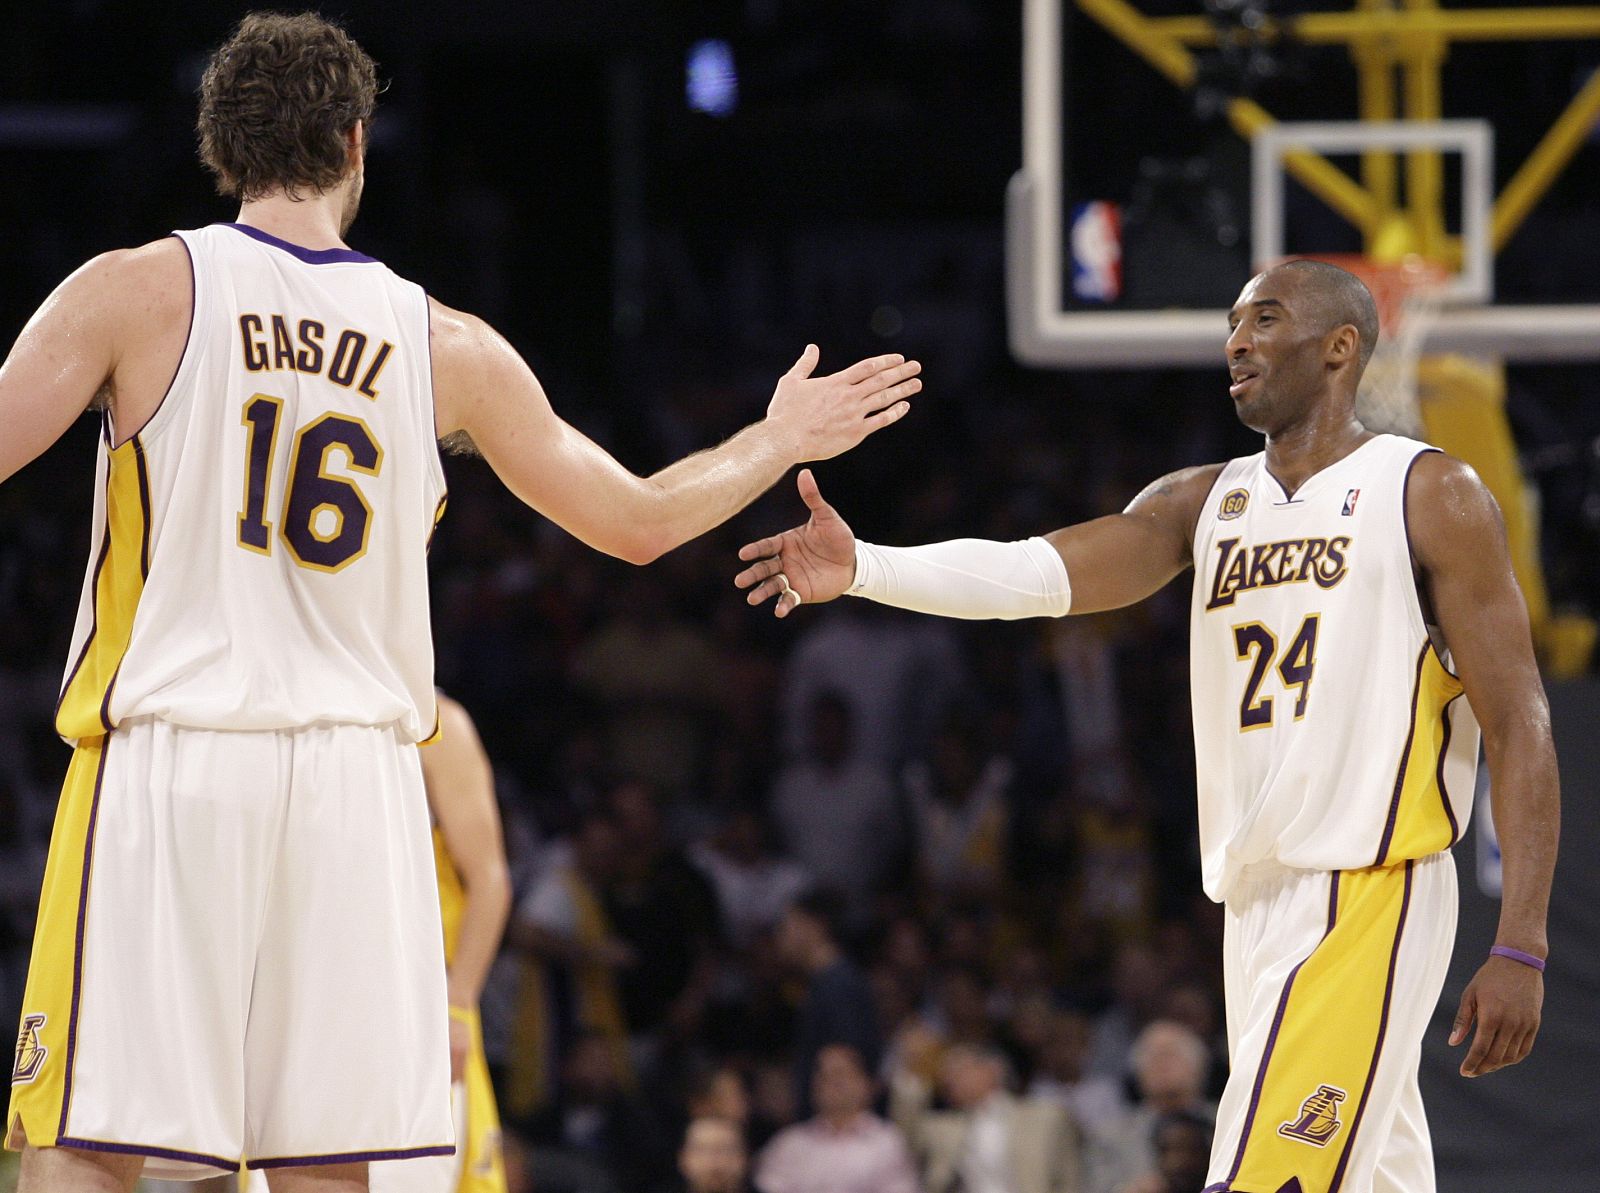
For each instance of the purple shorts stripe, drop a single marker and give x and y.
(409, 1153)
(77, 946)
(1272, 1036)
(157, 1153)
(1383, 1027)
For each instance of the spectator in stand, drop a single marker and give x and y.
(713, 1158)
(1170, 1064)
(573, 962)
(596, 1137)
(1138, 982)
(1097, 1103)
(1183, 1152)
(838, 1007)
(990, 1140)
(838, 811)
(845, 1148)
(719, 1092)
(960, 805)
(663, 908)
(754, 886)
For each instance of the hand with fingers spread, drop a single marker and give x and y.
(1505, 997)
(809, 564)
(824, 416)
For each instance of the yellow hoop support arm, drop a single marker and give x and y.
(1333, 28)
(1329, 183)
(1545, 163)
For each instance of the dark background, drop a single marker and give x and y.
(659, 267)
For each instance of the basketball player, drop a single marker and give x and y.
(1355, 620)
(237, 951)
(474, 901)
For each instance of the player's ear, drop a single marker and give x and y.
(1343, 345)
(355, 143)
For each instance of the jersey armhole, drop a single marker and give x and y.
(1420, 605)
(162, 414)
(1199, 516)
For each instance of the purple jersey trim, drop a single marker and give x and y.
(140, 1149)
(309, 256)
(1383, 1030)
(409, 1153)
(1405, 759)
(77, 946)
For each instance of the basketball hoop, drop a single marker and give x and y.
(1409, 294)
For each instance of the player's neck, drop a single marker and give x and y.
(1297, 453)
(311, 222)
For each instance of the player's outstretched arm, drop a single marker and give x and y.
(1459, 542)
(482, 386)
(1093, 566)
(460, 785)
(122, 312)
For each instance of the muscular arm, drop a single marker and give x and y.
(482, 386)
(116, 324)
(461, 794)
(1110, 562)
(1121, 559)
(1459, 542)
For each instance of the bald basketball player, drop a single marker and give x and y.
(1354, 622)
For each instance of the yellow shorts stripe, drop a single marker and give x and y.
(1316, 1070)
(41, 1090)
(483, 1169)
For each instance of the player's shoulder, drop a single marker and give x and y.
(1440, 480)
(135, 280)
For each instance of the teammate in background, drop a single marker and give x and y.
(237, 951)
(1354, 621)
(474, 901)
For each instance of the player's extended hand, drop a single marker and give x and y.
(815, 562)
(823, 416)
(1505, 998)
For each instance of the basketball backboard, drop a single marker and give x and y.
(1316, 153)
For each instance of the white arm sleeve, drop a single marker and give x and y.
(972, 578)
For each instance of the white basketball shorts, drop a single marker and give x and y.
(238, 954)
(1332, 978)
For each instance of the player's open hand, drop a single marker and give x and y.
(823, 416)
(811, 563)
(1505, 997)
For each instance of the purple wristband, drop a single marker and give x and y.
(1527, 959)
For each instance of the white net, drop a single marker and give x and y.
(1409, 295)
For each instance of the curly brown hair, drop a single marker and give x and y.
(276, 102)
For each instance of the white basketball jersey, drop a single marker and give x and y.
(259, 552)
(1329, 733)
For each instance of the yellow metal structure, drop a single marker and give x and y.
(1413, 37)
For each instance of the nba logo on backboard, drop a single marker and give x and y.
(1350, 502)
(1097, 252)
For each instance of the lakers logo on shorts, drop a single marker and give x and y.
(30, 1053)
(1319, 1117)
(1233, 503)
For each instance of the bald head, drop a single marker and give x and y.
(1337, 297)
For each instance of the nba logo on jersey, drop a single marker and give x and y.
(1350, 502)
(1319, 1117)
(30, 1053)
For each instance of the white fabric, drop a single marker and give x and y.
(261, 968)
(1275, 919)
(230, 637)
(425, 1174)
(1313, 788)
(970, 578)
(986, 1158)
